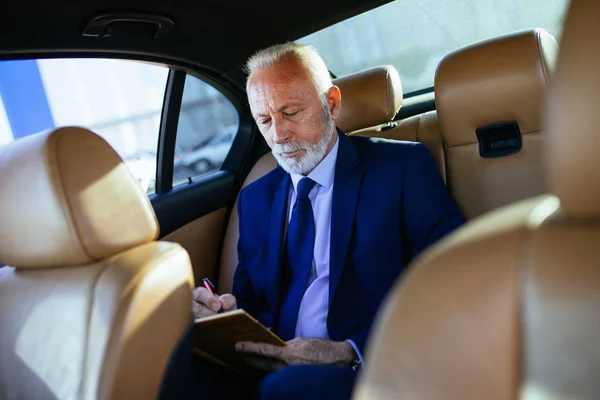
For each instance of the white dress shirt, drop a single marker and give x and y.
(314, 306)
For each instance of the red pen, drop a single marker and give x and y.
(211, 289)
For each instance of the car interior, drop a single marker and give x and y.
(100, 247)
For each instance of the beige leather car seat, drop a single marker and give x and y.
(423, 128)
(502, 80)
(92, 306)
(509, 306)
(370, 97)
(368, 110)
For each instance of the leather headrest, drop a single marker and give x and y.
(498, 80)
(68, 199)
(573, 123)
(371, 97)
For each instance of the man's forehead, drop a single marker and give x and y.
(271, 94)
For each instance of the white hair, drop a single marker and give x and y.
(305, 54)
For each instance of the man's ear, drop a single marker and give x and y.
(334, 99)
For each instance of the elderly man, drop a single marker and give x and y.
(325, 234)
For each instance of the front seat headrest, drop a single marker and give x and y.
(498, 80)
(370, 97)
(572, 159)
(68, 199)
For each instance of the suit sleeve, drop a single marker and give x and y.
(358, 341)
(429, 211)
(242, 284)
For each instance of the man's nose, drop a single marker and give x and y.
(280, 131)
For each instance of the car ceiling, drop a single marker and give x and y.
(215, 35)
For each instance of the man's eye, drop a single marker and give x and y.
(291, 114)
(265, 121)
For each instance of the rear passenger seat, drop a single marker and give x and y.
(422, 128)
(499, 80)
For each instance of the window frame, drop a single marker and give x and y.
(246, 135)
(165, 152)
(241, 147)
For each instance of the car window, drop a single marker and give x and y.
(414, 35)
(207, 126)
(118, 99)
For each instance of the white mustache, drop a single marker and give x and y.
(289, 147)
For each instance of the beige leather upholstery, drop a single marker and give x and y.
(92, 307)
(498, 80)
(201, 239)
(229, 256)
(573, 158)
(371, 97)
(452, 327)
(422, 128)
(42, 179)
(507, 307)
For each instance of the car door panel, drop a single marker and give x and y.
(202, 239)
(192, 206)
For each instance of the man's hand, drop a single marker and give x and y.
(298, 351)
(205, 304)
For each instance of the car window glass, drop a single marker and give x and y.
(118, 99)
(207, 126)
(414, 35)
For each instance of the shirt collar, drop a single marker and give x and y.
(324, 172)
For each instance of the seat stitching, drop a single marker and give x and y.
(387, 94)
(470, 143)
(88, 327)
(419, 126)
(541, 55)
(69, 211)
(520, 274)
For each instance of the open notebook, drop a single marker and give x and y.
(217, 335)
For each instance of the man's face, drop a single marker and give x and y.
(296, 124)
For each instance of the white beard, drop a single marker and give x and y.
(314, 153)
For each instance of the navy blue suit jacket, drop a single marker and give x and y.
(389, 203)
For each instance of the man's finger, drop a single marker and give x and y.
(296, 340)
(201, 311)
(228, 301)
(203, 296)
(261, 349)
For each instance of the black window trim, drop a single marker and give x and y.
(167, 135)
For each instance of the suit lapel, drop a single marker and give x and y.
(348, 179)
(273, 270)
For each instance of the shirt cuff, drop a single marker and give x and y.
(355, 347)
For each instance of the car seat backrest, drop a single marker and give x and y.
(91, 306)
(507, 306)
(489, 100)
